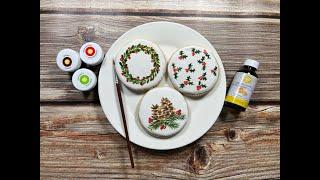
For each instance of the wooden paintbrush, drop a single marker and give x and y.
(118, 85)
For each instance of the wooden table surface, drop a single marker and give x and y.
(76, 139)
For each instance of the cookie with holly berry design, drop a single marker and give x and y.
(193, 70)
(140, 65)
(163, 112)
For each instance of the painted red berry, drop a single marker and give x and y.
(186, 70)
(193, 53)
(178, 112)
(162, 127)
(204, 63)
(185, 82)
(150, 120)
(205, 51)
(180, 57)
(198, 88)
(200, 78)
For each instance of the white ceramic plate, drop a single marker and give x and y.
(204, 111)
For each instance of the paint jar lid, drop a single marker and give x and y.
(84, 79)
(68, 60)
(91, 53)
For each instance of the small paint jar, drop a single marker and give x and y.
(68, 60)
(91, 53)
(84, 79)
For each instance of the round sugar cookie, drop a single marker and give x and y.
(193, 70)
(163, 112)
(140, 65)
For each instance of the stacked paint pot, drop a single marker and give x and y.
(68, 60)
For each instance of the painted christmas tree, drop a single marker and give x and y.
(164, 115)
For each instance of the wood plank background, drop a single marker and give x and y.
(258, 8)
(77, 141)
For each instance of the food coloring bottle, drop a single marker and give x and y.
(242, 86)
(84, 79)
(91, 53)
(68, 60)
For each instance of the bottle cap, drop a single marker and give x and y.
(68, 60)
(91, 53)
(252, 63)
(84, 79)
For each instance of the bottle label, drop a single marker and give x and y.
(241, 89)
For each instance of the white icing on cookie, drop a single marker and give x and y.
(193, 70)
(140, 65)
(163, 112)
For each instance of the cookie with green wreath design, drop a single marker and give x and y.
(193, 70)
(140, 65)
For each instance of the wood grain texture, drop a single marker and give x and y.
(77, 141)
(257, 8)
(235, 39)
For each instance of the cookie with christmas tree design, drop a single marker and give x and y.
(140, 65)
(193, 70)
(163, 112)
